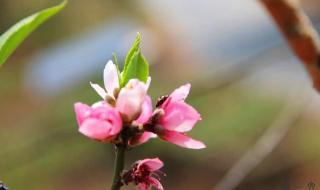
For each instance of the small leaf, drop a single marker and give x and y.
(12, 38)
(136, 66)
(135, 47)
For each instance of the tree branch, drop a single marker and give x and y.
(299, 33)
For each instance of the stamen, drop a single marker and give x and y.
(161, 100)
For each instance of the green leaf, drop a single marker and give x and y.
(12, 38)
(135, 47)
(136, 66)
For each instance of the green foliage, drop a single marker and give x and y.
(13, 37)
(136, 66)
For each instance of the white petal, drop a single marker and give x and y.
(148, 82)
(110, 77)
(99, 90)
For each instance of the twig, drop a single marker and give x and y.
(265, 145)
(119, 164)
(299, 32)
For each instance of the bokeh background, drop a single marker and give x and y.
(260, 113)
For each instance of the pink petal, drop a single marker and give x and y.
(179, 116)
(101, 92)
(82, 111)
(95, 129)
(181, 140)
(152, 164)
(105, 112)
(180, 93)
(130, 99)
(100, 104)
(154, 182)
(140, 139)
(146, 111)
(143, 186)
(111, 78)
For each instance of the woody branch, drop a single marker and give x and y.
(299, 33)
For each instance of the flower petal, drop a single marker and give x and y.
(152, 164)
(102, 93)
(148, 82)
(179, 116)
(140, 139)
(154, 182)
(100, 121)
(105, 112)
(111, 78)
(95, 129)
(181, 139)
(130, 99)
(99, 104)
(180, 93)
(143, 186)
(146, 111)
(82, 111)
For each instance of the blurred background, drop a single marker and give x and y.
(260, 113)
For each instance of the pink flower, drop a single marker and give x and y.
(144, 174)
(100, 122)
(111, 82)
(130, 99)
(177, 117)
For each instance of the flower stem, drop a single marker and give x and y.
(119, 164)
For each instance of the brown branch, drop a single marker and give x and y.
(299, 32)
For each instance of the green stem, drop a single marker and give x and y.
(119, 164)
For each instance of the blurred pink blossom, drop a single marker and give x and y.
(144, 174)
